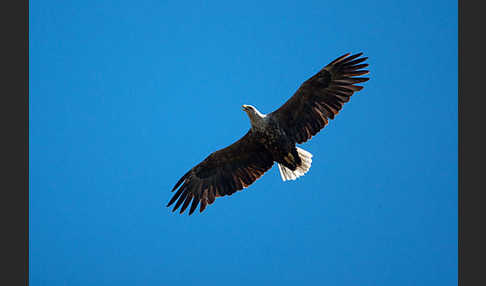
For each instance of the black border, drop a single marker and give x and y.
(471, 98)
(15, 135)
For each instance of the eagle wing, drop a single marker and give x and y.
(321, 97)
(222, 173)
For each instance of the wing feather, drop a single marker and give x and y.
(321, 97)
(222, 173)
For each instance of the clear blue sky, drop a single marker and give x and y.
(126, 96)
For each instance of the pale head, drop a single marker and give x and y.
(256, 117)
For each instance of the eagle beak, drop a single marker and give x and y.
(244, 107)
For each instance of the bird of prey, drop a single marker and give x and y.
(273, 137)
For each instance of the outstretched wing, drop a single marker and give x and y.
(222, 173)
(321, 97)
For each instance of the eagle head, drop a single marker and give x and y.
(251, 110)
(256, 117)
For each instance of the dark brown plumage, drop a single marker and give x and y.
(272, 137)
(222, 173)
(321, 97)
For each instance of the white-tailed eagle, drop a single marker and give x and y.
(273, 137)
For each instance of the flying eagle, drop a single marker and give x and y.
(273, 137)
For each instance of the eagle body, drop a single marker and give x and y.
(273, 137)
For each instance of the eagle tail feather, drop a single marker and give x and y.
(288, 174)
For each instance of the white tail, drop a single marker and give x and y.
(288, 174)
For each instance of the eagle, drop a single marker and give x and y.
(273, 137)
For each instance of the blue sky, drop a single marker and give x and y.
(126, 96)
